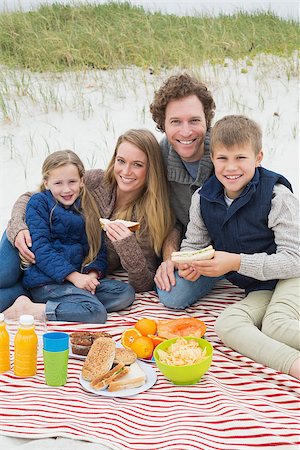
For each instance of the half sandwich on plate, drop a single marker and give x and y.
(120, 377)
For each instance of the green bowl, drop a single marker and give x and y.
(184, 375)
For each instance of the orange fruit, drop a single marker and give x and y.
(129, 336)
(156, 339)
(143, 347)
(146, 326)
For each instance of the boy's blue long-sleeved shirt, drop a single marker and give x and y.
(59, 242)
(243, 227)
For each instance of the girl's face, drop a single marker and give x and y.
(130, 168)
(235, 167)
(65, 184)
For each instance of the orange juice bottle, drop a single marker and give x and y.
(26, 343)
(4, 346)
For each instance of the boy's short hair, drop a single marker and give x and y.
(234, 130)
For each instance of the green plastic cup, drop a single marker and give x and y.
(56, 367)
(56, 354)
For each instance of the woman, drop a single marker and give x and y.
(133, 188)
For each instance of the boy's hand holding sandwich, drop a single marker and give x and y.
(220, 264)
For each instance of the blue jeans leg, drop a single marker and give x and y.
(10, 274)
(185, 293)
(68, 303)
(115, 295)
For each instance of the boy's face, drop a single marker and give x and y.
(235, 166)
(185, 127)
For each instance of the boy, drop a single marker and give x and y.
(251, 217)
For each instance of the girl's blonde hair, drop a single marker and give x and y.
(88, 207)
(152, 207)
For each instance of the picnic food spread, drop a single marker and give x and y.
(108, 367)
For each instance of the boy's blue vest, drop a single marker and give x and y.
(243, 227)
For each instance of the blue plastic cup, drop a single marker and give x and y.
(56, 354)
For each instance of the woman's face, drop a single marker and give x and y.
(130, 168)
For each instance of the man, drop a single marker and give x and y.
(183, 109)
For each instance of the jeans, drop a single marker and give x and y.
(68, 303)
(10, 274)
(185, 293)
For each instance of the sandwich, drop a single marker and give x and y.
(125, 356)
(135, 377)
(193, 255)
(102, 381)
(133, 226)
(100, 358)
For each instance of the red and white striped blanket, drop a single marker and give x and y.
(238, 404)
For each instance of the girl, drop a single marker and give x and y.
(67, 281)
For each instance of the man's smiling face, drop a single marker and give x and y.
(185, 127)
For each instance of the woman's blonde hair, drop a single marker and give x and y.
(88, 207)
(152, 207)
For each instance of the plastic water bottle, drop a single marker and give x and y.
(26, 343)
(4, 346)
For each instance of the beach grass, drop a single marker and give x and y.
(114, 35)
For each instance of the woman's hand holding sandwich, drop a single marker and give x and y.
(117, 231)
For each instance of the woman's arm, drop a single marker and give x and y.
(284, 221)
(17, 230)
(17, 221)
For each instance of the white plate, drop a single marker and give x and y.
(150, 381)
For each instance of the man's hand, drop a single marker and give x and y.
(22, 243)
(117, 231)
(164, 277)
(88, 281)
